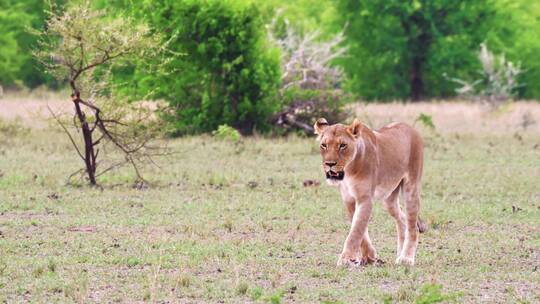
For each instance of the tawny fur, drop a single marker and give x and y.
(375, 165)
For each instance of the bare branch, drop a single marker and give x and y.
(80, 172)
(112, 167)
(66, 131)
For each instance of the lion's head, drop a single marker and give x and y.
(338, 147)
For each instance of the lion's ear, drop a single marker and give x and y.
(355, 128)
(320, 125)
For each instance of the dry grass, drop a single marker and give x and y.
(458, 117)
(30, 108)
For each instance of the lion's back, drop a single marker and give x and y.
(400, 141)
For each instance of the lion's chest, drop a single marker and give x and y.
(381, 191)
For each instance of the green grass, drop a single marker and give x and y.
(231, 222)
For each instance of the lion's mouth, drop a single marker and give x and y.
(335, 175)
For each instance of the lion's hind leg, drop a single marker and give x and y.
(412, 206)
(392, 205)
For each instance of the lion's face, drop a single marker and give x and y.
(337, 147)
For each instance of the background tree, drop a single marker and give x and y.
(400, 49)
(17, 65)
(13, 20)
(82, 46)
(223, 70)
(524, 48)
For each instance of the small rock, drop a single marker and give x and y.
(83, 229)
(53, 196)
(252, 184)
(140, 185)
(311, 183)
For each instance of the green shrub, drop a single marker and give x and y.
(226, 132)
(221, 69)
(426, 120)
(433, 293)
(256, 293)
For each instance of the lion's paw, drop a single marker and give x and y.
(378, 262)
(356, 262)
(403, 260)
(349, 262)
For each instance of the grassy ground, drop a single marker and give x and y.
(232, 223)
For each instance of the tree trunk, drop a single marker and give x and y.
(418, 45)
(416, 82)
(89, 155)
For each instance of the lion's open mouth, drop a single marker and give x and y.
(335, 175)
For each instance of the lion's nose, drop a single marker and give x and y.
(330, 163)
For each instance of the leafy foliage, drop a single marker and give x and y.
(17, 65)
(400, 49)
(223, 70)
(397, 49)
(525, 47)
(304, 15)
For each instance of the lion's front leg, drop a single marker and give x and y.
(367, 251)
(358, 239)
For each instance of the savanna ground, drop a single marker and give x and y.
(229, 222)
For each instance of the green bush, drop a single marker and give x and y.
(221, 69)
(227, 133)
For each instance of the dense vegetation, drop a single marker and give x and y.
(228, 73)
(223, 69)
(411, 44)
(17, 65)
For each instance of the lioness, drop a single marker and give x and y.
(369, 165)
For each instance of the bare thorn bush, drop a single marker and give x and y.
(82, 46)
(498, 81)
(311, 84)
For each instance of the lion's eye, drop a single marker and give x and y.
(342, 146)
(323, 146)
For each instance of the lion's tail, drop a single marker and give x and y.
(422, 226)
